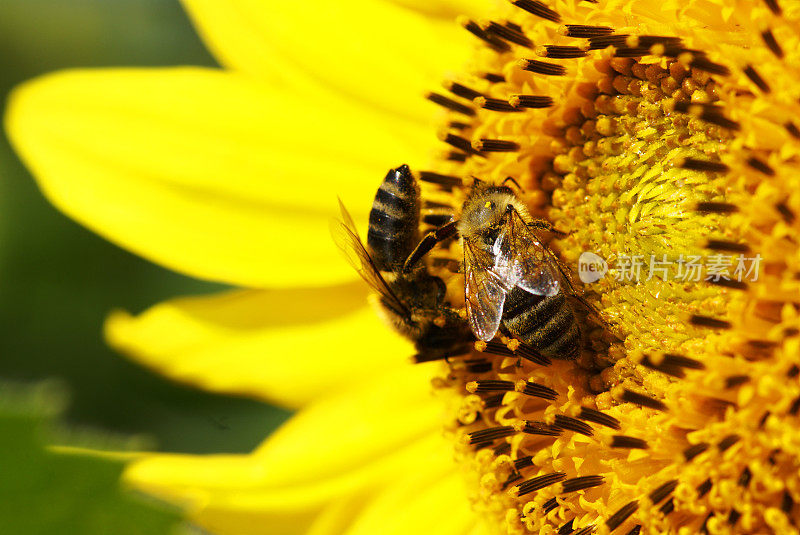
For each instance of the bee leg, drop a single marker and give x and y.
(541, 224)
(428, 242)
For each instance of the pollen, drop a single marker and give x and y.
(664, 140)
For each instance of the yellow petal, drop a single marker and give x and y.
(431, 497)
(449, 9)
(353, 443)
(207, 172)
(315, 507)
(375, 52)
(362, 421)
(284, 346)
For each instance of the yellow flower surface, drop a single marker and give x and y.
(645, 132)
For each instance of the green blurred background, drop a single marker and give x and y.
(58, 280)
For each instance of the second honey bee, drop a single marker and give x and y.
(413, 301)
(511, 277)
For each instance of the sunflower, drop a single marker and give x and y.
(663, 140)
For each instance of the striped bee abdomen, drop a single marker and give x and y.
(546, 323)
(394, 220)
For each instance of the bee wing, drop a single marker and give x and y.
(345, 235)
(485, 293)
(521, 259)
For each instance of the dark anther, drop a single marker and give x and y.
(442, 180)
(540, 482)
(703, 165)
(736, 380)
(495, 104)
(530, 101)
(794, 408)
(509, 34)
(595, 416)
(772, 44)
(704, 64)
(711, 323)
(549, 505)
(491, 385)
(498, 45)
(650, 40)
(672, 364)
(745, 477)
(494, 78)
(733, 517)
(763, 419)
(502, 449)
(704, 526)
(792, 129)
(622, 515)
(539, 391)
(627, 52)
(730, 283)
(460, 143)
(496, 348)
(756, 78)
(450, 104)
(583, 31)
(493, 433)
(668, 507)
(693, 451)
(727, 246)
(728, 441)
(523, 462)
(660, 493)
(604, 41)
(542, 67)
(492, 402)
(581, 483)
(787, 503)
(534, 7)
(773, 6)
(641, 399)
(495, 145)
(760, 166)
(540, 428)
(717, 207)
(461, 90)
(566, 528)
(786, 213)
(703, 488)
(684, 362)
(624, 441)
(707, 112)
(528, 353)
(560, 51)
(571, 424)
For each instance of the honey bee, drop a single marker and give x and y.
(413, 301)
(511, 277)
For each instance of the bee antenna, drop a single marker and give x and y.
(513, 181)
